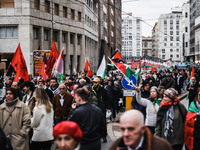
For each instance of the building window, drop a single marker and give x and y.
(165, 38)
(64, 37)
(79, 40)
(177, 50)
(71, 38)
(171, 22)
(55, 36)
(7, 3)
(165, 21)
(177, 44)
(186, 44)
(165, 44)
(177, 32)
(186, 29)
(72, 14)
(9, 32)
(47, 6)
(177, 38)
(35, 33)
(171, 32)
(65, 12)
(163, 50)
(37, 4)
(79, 16)
(56, 9)
(171, 44)
(163, 56)
(186, 14)
(171, 38)
(177, 56)
(171, 50)
(46, 35)
(171, 56)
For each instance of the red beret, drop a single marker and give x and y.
(68, 127)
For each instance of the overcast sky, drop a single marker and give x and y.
(149, 9)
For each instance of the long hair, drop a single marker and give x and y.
(43, 99)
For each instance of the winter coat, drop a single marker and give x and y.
(111, 96)
(168, 83)
(151, 109)
(16, 124)
(135, 105)
(42, 124)
(150, 142)
(92, 99)
(31, 103)
(178, 123)
(192, 128)
(62, 112)
(192, 92)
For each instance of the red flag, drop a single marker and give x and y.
(156, 70)
(88, 68)
(192, 74)
(19, 65)
(42, 71)
(52, 59)
(164, 71)
(120, 66)
(152, 70)
(117, 56)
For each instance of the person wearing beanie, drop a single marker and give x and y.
(171, 119)
(15, 120)
(151, 104)
(67, 135)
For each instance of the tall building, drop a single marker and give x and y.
(194, 13)
(109, 27)
(35, 23)
(155, 40)
(186, 31)
(146, 46)
(131, 37)
(169, 35)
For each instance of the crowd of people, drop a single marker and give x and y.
(35, 113)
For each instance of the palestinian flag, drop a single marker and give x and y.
(102, 68)
(138, 70)
(58, 69)
(123, 68)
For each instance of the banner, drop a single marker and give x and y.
(38, 56)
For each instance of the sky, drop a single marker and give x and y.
(149, 10)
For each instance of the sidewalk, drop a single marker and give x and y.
(113, 128)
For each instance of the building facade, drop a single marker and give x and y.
(109, 27)
(131, 37)
(36, 23)
(147, 46)
(155, 40)
(186, 31)
(169, 35)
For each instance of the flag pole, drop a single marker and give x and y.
(7, 70)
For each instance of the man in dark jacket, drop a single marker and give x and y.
(145, 92)
(168, 82)
(90, 120)
(135, 135)
(192, 88)
(101, 95)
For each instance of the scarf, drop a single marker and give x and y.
(198, 105)
(168, 126)
(157, 102)
(11, 105)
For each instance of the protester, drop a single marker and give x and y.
(92, 99)
(168, 82)
(171, 119)
(192, 124)
(101, 95)
(15, 120)
(67, 135)
(8, 82)
(192, 88)
(179, 83)
(28, 99)
(20, 93)
(54, 86)
(90, 119)
(42, 121)
(152, 105)
(145, 93)
(41, 84)
(62, 104)
(83, 76)
(135, 135)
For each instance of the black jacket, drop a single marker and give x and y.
(90, 120)
(101, 97)
(192, 92)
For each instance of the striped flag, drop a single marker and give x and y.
(102, 68)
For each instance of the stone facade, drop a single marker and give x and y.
(74, 24)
